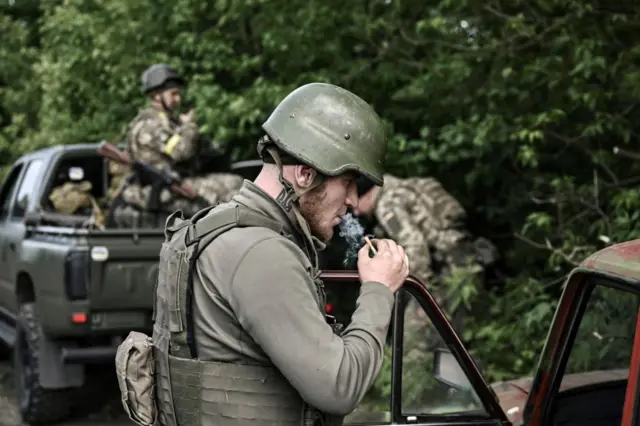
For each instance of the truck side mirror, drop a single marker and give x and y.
(447, 370)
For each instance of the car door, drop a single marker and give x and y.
(427, 376)
(631, 411)
(7, 197)
(14, 227)
(584, 373)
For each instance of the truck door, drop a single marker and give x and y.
(7, 197)
(14, 227)
(427, 376)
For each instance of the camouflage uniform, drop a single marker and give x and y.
(118, 173)
(422, 217)
(215, 188)
(156, 139)
(73, 197)
(159, 140)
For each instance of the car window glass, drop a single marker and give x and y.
(8, 190)
(422, 392)
(605, 336)
(29, 182)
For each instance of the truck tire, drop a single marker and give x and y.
(37, 405)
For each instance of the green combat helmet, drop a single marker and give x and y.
(328, 128)
(160, 77)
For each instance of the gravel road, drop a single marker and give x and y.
(109, 412)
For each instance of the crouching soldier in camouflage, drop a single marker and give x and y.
(159, 138)
(240, 334)
(429, 223)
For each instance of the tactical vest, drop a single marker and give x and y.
(191, 392)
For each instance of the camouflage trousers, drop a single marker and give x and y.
(131, 210)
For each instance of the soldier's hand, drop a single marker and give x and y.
(188, 117)
(389, 266)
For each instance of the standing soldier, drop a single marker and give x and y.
(240, 334)
(429, 223)
(157, 137)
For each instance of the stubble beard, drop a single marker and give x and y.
(311, 211)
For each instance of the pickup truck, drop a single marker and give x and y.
(69, 291)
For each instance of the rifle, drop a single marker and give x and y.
(148, 174)
(211, 158)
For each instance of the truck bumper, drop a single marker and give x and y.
(91, 355)
(57, 318)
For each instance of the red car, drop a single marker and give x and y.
(587, 374)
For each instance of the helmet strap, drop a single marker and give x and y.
(290, 201)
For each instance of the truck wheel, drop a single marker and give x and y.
(37, 405)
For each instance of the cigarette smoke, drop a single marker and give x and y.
(353, 233)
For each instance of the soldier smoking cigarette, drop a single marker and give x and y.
(368, 241)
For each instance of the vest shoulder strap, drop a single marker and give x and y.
(237, 216)
(174, 223)
(202, 229)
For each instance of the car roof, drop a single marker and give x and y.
(622, 259)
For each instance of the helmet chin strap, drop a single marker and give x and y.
(291, 200)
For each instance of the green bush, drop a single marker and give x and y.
(516, 106)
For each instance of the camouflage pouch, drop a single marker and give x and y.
(135, 369)
(70, 197)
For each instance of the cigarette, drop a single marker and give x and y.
(368, 241)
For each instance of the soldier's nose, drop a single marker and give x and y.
(352, 198)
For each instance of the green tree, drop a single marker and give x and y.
(525, 110)
(19, 89)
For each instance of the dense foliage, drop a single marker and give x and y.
(516, 106)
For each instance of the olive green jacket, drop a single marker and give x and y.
(256, 303)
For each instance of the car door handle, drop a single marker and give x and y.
(12, 246)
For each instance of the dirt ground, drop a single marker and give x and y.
(108, 411)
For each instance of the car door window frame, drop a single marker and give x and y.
(561, 339)
(494, 413)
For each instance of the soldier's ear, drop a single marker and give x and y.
(304, 176)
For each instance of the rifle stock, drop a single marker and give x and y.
(111, 152)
